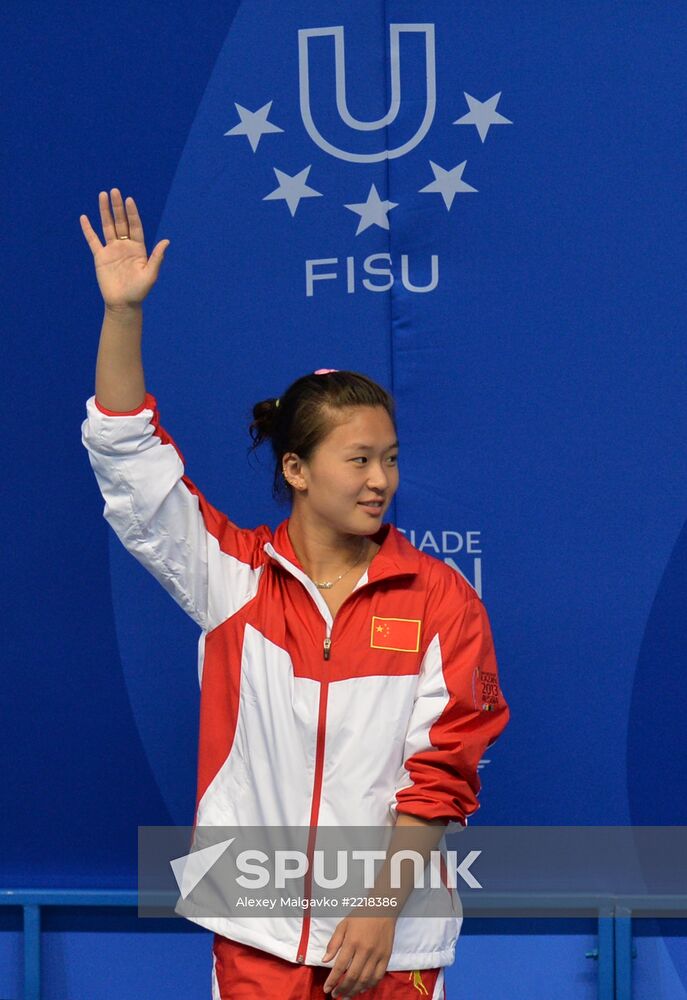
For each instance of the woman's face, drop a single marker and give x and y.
(356, 462)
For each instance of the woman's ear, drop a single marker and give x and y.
(292, 470)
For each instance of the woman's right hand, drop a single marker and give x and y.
(124, 271)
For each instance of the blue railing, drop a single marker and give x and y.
(614, 951)
(32, 900)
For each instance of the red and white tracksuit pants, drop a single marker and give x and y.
(240, 972)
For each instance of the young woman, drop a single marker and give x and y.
(347, 679)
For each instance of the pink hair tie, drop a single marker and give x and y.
(325, 371)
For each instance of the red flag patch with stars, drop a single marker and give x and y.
(396, 633)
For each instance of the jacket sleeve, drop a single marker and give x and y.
(208, 565)
(459, 711)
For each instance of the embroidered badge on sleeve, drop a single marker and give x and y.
(485, 690)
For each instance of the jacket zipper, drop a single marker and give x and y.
(314, 812)
(327, 644)
(319, 769)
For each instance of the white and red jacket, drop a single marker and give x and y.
(306, 721)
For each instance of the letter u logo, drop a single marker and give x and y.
(395, 30)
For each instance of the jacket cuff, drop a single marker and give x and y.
(430, 813)
(149, 403)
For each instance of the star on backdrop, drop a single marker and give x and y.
(372, 212)
(482, 114)
(447, 183)
(292, 189)
(253, 124)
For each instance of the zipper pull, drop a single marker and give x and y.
(327, 647)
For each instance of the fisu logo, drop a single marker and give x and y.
(374, 211)
(341, 103)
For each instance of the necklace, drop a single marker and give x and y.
(326, 585)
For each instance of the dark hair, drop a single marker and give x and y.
(304, 415)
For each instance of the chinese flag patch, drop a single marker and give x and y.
(396, 633)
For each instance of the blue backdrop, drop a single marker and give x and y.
(483, 207)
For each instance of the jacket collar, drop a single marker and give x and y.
(396, 556)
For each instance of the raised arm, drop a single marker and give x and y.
(125, 276)
(210, 566)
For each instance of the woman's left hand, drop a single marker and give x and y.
(364, 945)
